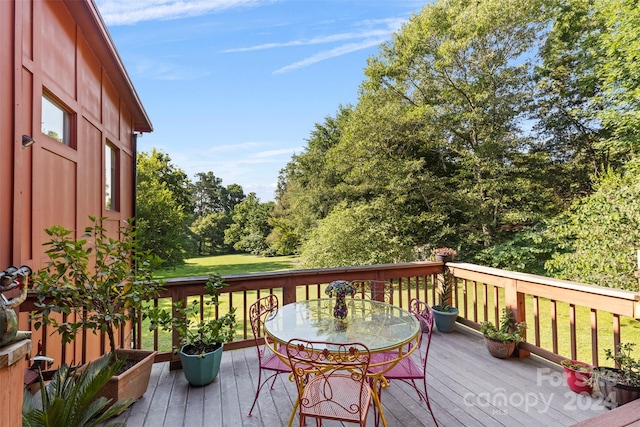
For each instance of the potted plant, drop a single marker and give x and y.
(578, 375)
(444, 254)
(445, 315)
(71, 398)
(621, 384)
(501, 342)
(201, 339)
(104, 282)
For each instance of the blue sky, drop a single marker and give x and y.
(235, 86)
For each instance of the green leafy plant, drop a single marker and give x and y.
(203, 335)
(628, 368)
(103, 280)
(509, 330)
(69, 399)
(444, 293)
(445, 287)
(576, 366)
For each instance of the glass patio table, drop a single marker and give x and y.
(380, 326)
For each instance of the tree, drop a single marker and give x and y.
(307, 186)
(213, 206)
(600, 234)
(566, 111)
(209, 232)
(206, 194)
(444, 105)
(161, 221)
(619, 69)
(361, 234)
(250, 226)
(174, 178)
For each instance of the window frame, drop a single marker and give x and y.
(111, 177)
(68, 120)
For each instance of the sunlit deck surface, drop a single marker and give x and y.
(467, 387)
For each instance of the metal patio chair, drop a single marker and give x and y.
(268, 361)
(407, 369)
(331, 381)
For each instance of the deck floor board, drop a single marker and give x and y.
(467, 387)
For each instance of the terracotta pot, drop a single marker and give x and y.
(578, 381)
(132, 383)
(500, 349)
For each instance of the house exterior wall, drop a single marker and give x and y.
(61, 49)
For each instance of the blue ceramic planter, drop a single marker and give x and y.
(445, 321)
(201, 370)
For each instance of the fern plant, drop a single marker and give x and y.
(69, 399)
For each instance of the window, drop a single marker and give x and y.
(56, 121)
(111, 183)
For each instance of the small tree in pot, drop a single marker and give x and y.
(103, 281)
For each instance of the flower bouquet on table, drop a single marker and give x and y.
(340, 288)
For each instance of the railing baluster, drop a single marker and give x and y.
(572, 331)
(554, 326)
(594, 337)
(536, 320)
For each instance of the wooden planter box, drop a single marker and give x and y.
(134, 382)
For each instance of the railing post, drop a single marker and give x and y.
(516, 302)
(289, 292)
(174, 362)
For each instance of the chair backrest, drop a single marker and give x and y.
(379, 290)
(259, 312)
(326, 362)
(424, 314)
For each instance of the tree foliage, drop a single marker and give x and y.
(360, 234)
(250, 226)
(213, 204)
(477, 124)
(601, 232)
(162, 203)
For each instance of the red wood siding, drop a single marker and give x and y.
(60, 47)
(90, 81)
(57, 47)
(6, 132)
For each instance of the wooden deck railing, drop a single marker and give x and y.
(410, 280)
(558, 312)
(565, 319)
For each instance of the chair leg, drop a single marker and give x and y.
(255, 399)
(260, 385)
(426, 399)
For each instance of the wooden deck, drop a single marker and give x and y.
(467, 387)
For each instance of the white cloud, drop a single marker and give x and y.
(316, 40)
(128, 12)
(327, 54)
(370, 35)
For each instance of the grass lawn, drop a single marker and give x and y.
(223, 265)
(228, 264)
